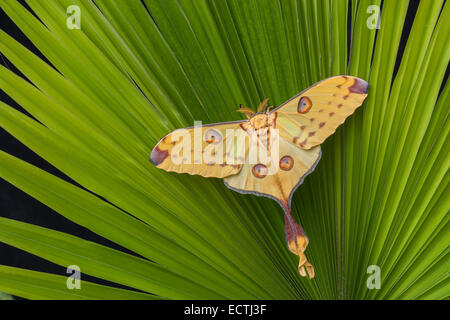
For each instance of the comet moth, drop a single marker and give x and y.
(271, 152)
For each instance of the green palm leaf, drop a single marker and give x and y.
(138, 69)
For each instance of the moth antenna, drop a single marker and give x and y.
(262, 105)
(268, 109)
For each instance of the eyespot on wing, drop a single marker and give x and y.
(213, 136)
(259, 171)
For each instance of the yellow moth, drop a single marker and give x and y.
(270, 153)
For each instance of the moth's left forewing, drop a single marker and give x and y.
(309, 118)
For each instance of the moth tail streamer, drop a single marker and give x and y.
(297, 242)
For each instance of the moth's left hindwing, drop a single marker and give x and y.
(214, 150)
